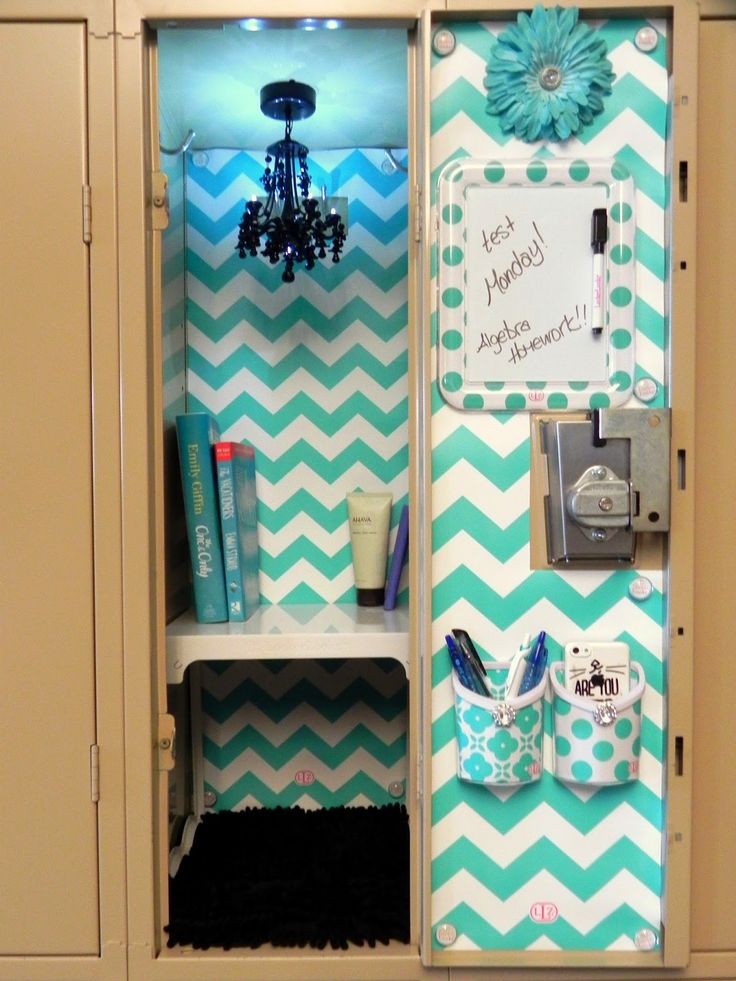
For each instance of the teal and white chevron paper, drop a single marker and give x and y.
(314, 374)
(544, 866)
(306, 733)
(173, 348)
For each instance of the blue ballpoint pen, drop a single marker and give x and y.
(462, 669)
(535, 665)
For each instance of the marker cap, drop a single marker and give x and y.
(599, 229)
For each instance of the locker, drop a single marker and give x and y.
(370, 373)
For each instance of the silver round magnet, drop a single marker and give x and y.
(646, 389)
(443, 42)
(640, 588)
(645, 939)
(646, 39)
(446, 934)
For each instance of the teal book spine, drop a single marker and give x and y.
(196, 435)
(236, 481)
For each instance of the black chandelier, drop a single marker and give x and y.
(291, 222)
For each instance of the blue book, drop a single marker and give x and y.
(236, 482)
(196, 434)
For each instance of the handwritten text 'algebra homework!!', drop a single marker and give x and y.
(516, 341)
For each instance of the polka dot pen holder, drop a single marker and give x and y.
(596, 743)
(499, 742)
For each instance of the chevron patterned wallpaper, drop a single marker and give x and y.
(314, 374)
(546, 865)
(173, 346)
(313, 734)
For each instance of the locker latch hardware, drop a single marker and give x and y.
(608, 478)
(159, 200)
(600, 500)
(166, 745)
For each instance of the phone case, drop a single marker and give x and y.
(597, 669)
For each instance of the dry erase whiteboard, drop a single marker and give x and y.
(515, 284)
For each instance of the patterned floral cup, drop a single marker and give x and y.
(499, 742)
(597, 743)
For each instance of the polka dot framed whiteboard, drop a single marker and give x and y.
(523, 322)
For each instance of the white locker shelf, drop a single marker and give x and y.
(338, 630)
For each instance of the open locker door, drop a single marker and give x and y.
(550, 842)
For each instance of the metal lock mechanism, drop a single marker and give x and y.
(608, 478)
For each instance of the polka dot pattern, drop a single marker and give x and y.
(451, 257)
(587, 752)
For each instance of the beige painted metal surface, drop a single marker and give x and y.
(51, 368)
(50, 798)
(48, 845)
(714, 766)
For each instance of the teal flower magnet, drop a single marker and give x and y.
(547, 75)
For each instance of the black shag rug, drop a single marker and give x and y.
(294, 878)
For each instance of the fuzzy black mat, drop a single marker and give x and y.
(294, 878)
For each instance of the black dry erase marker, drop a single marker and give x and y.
(598, 239)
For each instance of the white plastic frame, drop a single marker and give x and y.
(533, 395)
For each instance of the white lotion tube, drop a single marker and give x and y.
(369, 517)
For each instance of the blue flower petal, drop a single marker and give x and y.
(547, 38)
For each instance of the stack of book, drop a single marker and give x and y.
(219, 487)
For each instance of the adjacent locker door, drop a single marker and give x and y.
(48, 822)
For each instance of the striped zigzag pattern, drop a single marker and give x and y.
(306, 733)
(173, 288)
(173, 347)
(313, 373)
(548, 865)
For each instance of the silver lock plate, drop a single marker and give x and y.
(647, 431)
(580, 476)
(608, 478)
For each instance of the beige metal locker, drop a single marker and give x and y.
(62, 841)
(82, 882)
(714, 848)
(148, 906)
(48, 600)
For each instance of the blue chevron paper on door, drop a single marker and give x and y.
(548, 865)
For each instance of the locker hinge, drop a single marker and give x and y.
(159, 201)
(166, 745)
(418, 223)
(86, 214)
(94, 773)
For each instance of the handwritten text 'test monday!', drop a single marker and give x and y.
(531, 257)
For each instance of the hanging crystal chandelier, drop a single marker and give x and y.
(294, 228)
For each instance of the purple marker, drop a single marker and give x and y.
(397, 560)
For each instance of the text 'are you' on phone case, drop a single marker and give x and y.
(597, 669)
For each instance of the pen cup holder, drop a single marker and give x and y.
(499, 742)
(597, 742)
